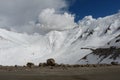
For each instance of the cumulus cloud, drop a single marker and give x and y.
(49, 20)
(49, 15)
(19, 12)
(52, 20)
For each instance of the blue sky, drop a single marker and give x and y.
(96, 8)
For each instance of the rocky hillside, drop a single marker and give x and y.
(102, 55)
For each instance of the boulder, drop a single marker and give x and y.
(114, 63)
(30, 65)
(51, 62)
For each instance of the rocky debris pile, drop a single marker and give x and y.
(50, 64)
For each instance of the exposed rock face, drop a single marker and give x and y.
(105, 52)
(51, 62)
(101, 54)
(30, 65)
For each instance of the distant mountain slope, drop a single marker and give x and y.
(65, 46)
(102, 55)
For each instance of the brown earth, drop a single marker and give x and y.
(60, 73)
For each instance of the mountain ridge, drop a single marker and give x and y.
(64, 46)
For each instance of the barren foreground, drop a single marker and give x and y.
(60, 73)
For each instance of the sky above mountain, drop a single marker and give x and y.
(96, 8)
(44, 15)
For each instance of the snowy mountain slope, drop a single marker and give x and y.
(17, 48)
(65, 46)
(114, 42)
(91, 33)
(107, 54)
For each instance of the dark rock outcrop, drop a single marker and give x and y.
(103, 53)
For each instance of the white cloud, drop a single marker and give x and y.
(49, 20)
(52, 20)
(19, 12)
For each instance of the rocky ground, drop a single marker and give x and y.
(61, 72)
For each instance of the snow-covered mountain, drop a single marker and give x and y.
(64, 46)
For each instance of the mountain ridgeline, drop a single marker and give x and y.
(100, 36)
